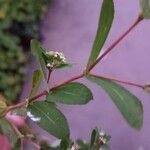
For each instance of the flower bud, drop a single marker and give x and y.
(54, 59)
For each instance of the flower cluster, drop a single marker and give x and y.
(54, 59)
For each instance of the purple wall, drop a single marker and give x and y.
(70, 27)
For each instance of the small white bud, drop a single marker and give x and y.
(50, 53)
(55, 55)
(49, 65)
(101, 133)
(55, 60)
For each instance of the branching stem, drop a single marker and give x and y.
(120, 81)
(24, 103)
(116, 42)
(49, 75)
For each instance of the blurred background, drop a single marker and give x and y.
(70, 26)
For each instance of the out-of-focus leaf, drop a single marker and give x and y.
(145, 7)
(65, 65)
(82, 144)
(65, 144)
(7, 130)
(49, 118)
(36, 80)
(104, 25)
(3, 106)
(20, 112)
(94, 139)
(38, 52)
(128, 104)
(17, 145)
(72, 93)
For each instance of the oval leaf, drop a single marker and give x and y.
(72, 93)
(128, 104)
(49, 118)
(36, 80)
(104, 25)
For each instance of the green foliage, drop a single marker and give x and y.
(145, 7)
(128, 104)
(94, 138)
(19, 21)
(38, 53)
(12, 62)
(72, 93)
(36, 80)
(45, 113)
(17, 145)
(3, 108)
(48, 117)
(99, 140)
(105, 22)
(6, 129)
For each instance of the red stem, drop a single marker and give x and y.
(139, 19)
(120, 81)
(19, 105)
(67, 81)
(49, 75)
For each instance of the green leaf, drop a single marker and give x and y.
(128, 104)
(94, 138)
(17, 145)
(38, 52)
(65, 144)
(6, 129)
(82, 144)
(3, 107)
(145, 7)
(104, 25)
(72, 93)
(20, 111)
(49, 118)
(65, 65)
(36, 80)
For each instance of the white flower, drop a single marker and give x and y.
(49, 65)
(101, 133)
(54, 59)
(50, 53)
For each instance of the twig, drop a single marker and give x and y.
(120, 81)
(18, 133)
(19, 105)
(67, 81)
(49, 75)
(116, 42)
(24, 103)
